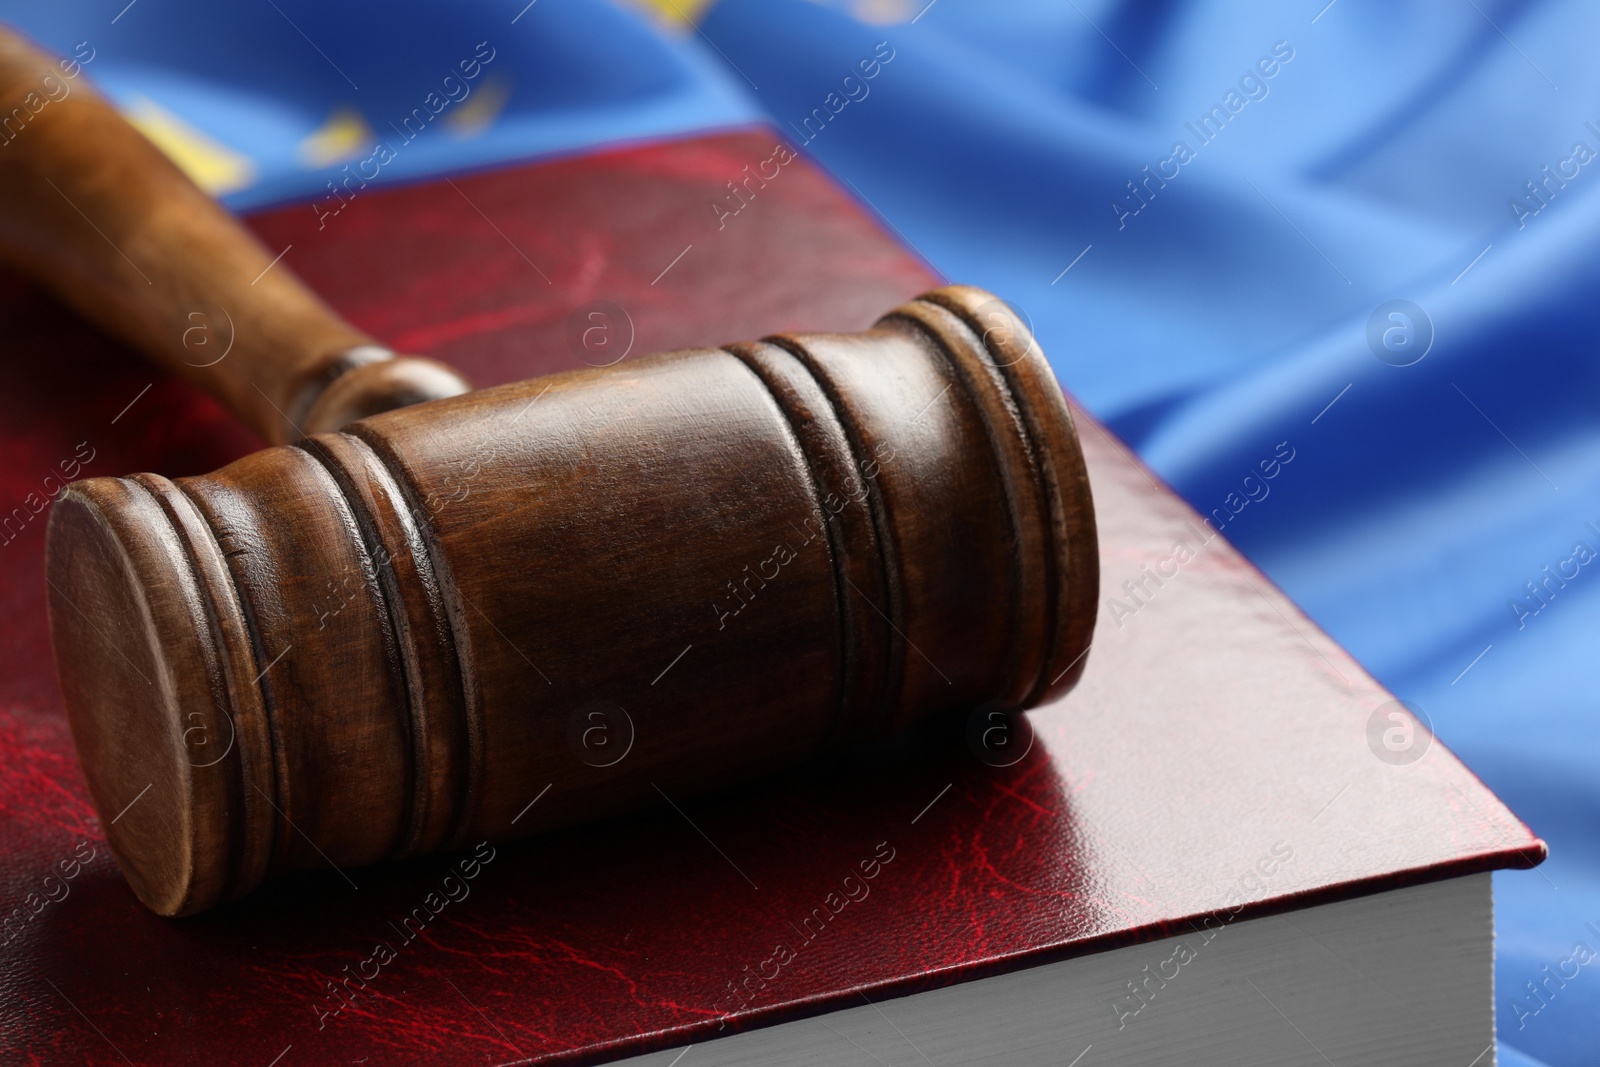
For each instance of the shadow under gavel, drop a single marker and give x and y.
(505, 611)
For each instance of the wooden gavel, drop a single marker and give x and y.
(501, 612)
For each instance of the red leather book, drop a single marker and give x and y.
(1215, 728)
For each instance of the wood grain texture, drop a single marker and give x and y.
(589, 590)
(102, 218)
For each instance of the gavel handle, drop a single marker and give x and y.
(98, 215)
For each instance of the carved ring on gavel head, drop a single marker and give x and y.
(391, 639)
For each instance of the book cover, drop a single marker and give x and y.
(1221, 757)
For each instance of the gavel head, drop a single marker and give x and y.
(668, 574)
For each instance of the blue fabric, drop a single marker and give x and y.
(1441, 516)
(261, 78)
(1510, 1057)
